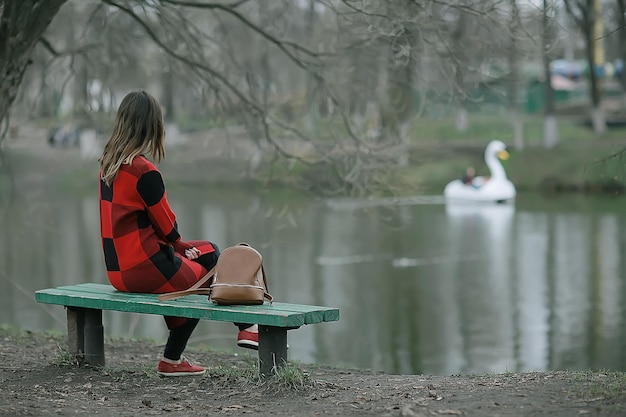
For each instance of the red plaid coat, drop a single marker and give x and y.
(143, 251)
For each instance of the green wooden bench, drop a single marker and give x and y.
(85, 302)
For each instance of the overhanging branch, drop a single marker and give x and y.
(280, 43)
(253, 105)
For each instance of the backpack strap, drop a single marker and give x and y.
(266, 293)
(194, 289)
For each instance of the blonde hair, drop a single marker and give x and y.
(138, 129)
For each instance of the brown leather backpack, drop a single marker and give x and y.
(237, 278)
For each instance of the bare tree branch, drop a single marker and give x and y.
(68, 52)
(281, 44)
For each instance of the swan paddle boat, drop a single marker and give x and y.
(493, 189)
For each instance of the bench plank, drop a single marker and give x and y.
(105, 297)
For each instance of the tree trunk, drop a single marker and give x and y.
(591, 37)
(621, 7)
(597, 113)
(81, 94)
(598, 120)
(311, 94)
(461, 121)
(550, 132)
(512, 96)
(518, 129)
(167, 99)
(22, 22)
(400, 87)
(551, 128)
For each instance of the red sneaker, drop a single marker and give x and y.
(246, 339)
(183, 368)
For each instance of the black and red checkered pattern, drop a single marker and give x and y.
(143, 250)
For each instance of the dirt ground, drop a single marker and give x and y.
(38, 378)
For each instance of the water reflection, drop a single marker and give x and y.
(531, 286)
(422, 288)
(484, 231)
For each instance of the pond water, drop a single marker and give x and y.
(422, 287)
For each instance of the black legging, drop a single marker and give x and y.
(179, 336)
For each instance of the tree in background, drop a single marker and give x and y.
(401, 66)
(550, 127)
(513, 81)
(621, 36)
(588, 17)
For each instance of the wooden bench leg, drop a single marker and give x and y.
(75, 332)
(272, 349)
(86, 335)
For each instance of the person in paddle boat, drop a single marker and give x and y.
(143, 250)
(468, 177)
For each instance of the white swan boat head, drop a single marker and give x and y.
(496, 188)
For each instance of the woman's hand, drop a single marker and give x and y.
(192, 253)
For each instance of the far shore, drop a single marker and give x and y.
(587, 167)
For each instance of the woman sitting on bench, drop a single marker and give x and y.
(143, 250)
